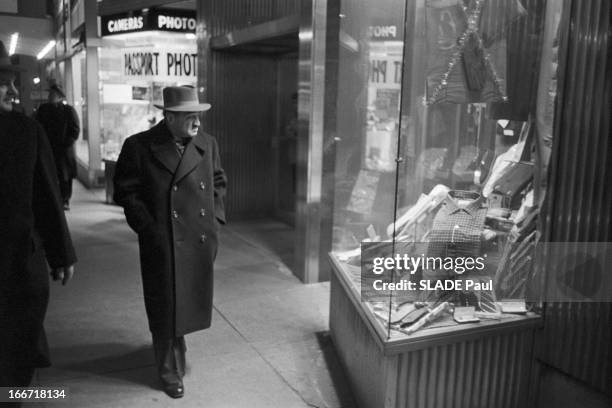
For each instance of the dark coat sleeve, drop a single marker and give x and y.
(72, 126)
(220, 181)
(49, 218)
(128, 187)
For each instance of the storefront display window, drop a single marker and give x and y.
(435, 166)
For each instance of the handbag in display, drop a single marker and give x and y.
(467, 58)
(514, 180)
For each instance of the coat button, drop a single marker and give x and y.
(203, 238)
(202, 185)
(174, 214)
(202, 212)
(175, 188)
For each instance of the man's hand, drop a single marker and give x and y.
(62, 273)
(220, 181)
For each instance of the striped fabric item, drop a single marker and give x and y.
(486, 301)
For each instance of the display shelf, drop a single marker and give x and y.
(482, 364)
(428, 337)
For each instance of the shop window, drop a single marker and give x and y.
(435, 163)
(134, 68)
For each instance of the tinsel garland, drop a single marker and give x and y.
(473, 19)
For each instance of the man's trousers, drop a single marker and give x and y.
(170, 358)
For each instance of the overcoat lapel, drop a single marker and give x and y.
(194, 152)
(164, 149)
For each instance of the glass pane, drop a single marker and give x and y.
(465, 194)
(369, 98)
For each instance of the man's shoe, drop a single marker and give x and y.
(174, 390)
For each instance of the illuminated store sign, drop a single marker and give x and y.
(122, 25)
(175, 23)
(179, 21)
(159, 63)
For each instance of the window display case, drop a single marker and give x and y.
(435, 207)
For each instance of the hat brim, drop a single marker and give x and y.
(197, 107)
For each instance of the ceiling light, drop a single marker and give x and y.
(46, 50)
(13, 46)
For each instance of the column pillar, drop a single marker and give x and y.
(317, 86)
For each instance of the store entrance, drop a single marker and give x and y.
(262, 61)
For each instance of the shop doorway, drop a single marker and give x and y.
(258, 72)
(252, 68)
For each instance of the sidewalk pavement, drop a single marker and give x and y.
(268, 345)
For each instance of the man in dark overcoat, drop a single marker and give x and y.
(171, 185)
(33, 231)
(61, 124)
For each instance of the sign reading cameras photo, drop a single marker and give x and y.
(178, 21)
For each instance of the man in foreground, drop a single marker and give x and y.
(32, 228)
(171, 185)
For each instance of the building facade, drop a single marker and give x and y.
(337, 116)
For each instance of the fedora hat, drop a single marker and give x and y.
(182, 99)
(5, 61)
(56, 88)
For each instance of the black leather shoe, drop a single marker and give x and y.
(174, 390)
